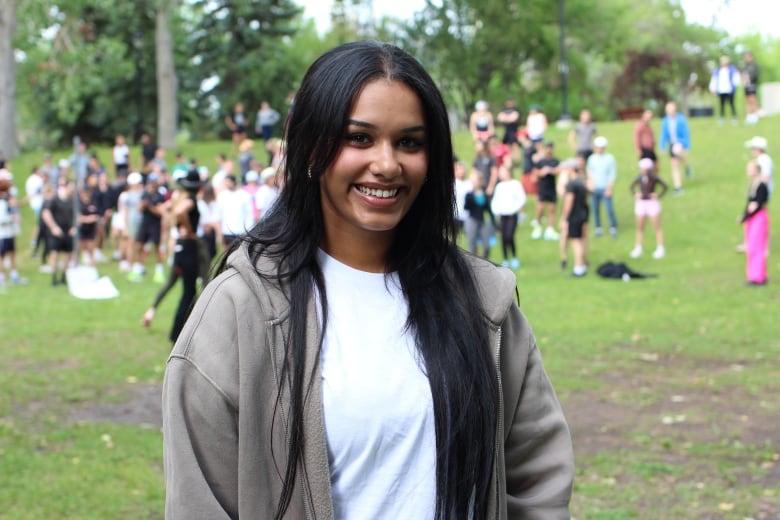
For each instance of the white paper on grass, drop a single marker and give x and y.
(85, 284)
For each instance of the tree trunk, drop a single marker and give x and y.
(167, 82)
(9, 146)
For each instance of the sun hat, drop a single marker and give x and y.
(267, 173)
(251, 176)
(135, 178)
(646, 163)
(757, 142)
(192, 180)
(600, 142)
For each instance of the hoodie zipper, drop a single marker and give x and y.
(499, 421)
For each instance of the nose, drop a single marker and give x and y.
(385, 163)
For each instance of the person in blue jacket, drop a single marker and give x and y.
(676, 139)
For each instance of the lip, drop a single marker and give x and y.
(375, 201)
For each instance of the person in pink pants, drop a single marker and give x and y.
(756, 224)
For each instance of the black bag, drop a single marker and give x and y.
(620, 271)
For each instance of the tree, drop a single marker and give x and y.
(9, 146)
(167, 82)
(238, 45)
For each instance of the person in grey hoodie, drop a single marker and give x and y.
(349, 360)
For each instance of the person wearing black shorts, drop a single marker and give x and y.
(574, 221)
(57, 214)
(750, 74)
(546, 168)
(150, 230)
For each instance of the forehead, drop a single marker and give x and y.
(392, 98)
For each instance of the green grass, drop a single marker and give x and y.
(670, 384)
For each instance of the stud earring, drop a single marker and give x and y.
(308, 173)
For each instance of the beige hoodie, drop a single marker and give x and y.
(224, 452)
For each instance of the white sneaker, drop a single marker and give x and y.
(636, 252)
(536, 234)
(45, 268)
(551, 234)
(659, 252)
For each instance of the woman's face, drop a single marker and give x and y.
(381, 165)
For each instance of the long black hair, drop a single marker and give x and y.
(450, 328)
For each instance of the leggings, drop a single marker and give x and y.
(478, 230)
(508, 227)
(730, 99)
(185, 266)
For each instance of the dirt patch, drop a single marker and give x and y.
(141, 408)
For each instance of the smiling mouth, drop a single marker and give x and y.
(380, 194)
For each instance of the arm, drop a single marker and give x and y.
(611, 176)
(538, 454)
(48, 219)
(637, 144)
(568, 201)
(664, 133)
(664, 187)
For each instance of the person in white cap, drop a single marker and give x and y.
(647, 205)
(602, 175)
(758, 146)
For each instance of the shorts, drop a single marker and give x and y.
(751, 90)
(61, 244)
(576, 227)
(647, 153)
(647, 207)
(88, 232)
(672, 147)
(148, 233)
(117, 222)
(7, 245)
(547, 196)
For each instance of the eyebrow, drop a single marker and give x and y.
(363, 124)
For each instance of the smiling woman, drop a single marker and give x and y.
(349, 360)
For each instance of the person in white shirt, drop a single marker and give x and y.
(507, 201)
(267, 192)
(234, 208)
(462, 187)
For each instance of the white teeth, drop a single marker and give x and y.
(382, 194)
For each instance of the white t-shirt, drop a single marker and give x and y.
(766, 165)
(121, 154)
(508, 198)
(235, 212)
(377, 401)
(462, 187)
(34, 189)
(265, 196)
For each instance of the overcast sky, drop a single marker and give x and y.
(741, 16)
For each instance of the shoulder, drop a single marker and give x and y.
(496, 286)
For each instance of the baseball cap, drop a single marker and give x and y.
(757, 142)
(134, 178)
(646, 164)
(251, 176)
(600, 142)
(267, 173)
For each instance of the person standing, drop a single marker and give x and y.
(546, 168)
(582, 135)
(236, 121)
(758, 146)
(121, 156)
(481, 122)
(676, 140)
(644, 138)
(234, 208)
(750, 77)
(58, 216)
(647, 204)
(478, 225)
(509, 118)
(601, 170)
(506, 203)
(723, 84)
(755, 221)
(574, 221)
(310, 379)
(9, 228)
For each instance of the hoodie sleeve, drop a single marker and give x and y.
(200, 417)
(538, 452)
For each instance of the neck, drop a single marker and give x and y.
(364, 252)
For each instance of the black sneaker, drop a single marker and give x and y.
(563, 265)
